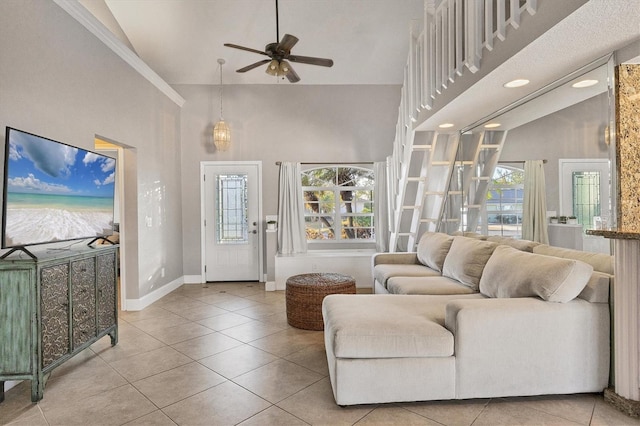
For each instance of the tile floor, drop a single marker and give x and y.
(223, 354)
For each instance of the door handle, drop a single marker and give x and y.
(254, 232)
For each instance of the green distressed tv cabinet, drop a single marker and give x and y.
(53, 307)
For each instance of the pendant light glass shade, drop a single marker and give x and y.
(222, 136)
(221, 131)
(273, 68)
(284, 68)
(278, 69)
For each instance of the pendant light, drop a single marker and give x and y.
(221, 131)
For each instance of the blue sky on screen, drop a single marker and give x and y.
(41, 166)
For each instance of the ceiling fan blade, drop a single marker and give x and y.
(255, 65)
(248, 49)
(311, 60)
(292, 76)
(287, 43)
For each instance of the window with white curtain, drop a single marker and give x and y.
(338, 203)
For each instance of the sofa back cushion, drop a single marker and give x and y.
(523, 245)
(599, 261)
(433, 248)
(514, 273)
(466, 260)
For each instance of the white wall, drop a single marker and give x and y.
(59, 81)
(282, 122)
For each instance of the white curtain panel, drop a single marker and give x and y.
(534, 218)
(380, 207)
(292, 237)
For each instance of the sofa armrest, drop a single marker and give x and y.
(395, 258)
(503, 344)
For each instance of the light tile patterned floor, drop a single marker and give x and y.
(223, 354)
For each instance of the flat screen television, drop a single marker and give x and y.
(54, 192)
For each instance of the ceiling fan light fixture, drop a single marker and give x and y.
(284, 68)
(273, 68)
(278, 53)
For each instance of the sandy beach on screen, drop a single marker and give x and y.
(30, 225)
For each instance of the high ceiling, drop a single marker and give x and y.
(181, 40)
(368, 40)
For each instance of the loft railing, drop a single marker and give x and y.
(456, 33)
(455, 36)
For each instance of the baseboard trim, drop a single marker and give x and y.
(11, 384)
(154, 296)
(274, 286)
(193, 279)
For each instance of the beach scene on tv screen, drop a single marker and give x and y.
(56, 192)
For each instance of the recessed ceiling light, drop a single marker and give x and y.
(446, 125)
(492, 125)
(516, 83)
(584, 83)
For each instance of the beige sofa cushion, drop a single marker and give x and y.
(466, 260)
(514, 273)
(426, 285)
(433, 248)
(523, 245)
(388, 326)
(383, 272)
(601, 262)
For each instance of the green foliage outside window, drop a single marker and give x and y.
(339, 203)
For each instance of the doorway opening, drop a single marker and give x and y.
(117, 151)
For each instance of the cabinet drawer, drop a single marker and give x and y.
(83, 332)
(83, 278)
(84, 304)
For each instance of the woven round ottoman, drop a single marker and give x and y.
(305, 293)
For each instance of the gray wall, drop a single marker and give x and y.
(574, 132)
(282, 122)
(59, 81)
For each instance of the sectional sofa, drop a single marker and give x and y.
(468, 318)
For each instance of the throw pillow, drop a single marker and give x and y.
(433, 248)
(466, 260)
(514, 273)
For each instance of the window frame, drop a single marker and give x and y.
(517, 212)
(336, 215)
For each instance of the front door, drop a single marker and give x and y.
(231, 199)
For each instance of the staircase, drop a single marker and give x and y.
(436, 182)
(424, 173)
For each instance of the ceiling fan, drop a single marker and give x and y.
(279, 54)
